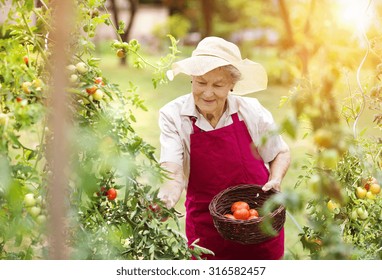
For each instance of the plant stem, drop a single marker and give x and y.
(113, 25)
(294, 221)
(358, 77)
(41, 50)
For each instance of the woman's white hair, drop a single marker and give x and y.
(235, 73)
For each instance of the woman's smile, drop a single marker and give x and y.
(209, 101)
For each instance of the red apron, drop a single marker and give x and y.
(219, 159)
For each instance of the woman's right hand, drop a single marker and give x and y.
(169, 195)
(171, 190)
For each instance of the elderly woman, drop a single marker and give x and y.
(213, 138)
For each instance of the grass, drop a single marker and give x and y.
(147, 127)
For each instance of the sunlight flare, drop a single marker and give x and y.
(354, 14)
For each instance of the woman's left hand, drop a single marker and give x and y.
(272, 184)
(278, 168)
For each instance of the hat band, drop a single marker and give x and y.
(211, 55)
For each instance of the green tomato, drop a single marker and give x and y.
(71, 67)
(370, 195)
(73, 78)
(354, 215)
(41, 219)
(332, 206)
(39, 199)
(34, 211)
(98, 95)
(29, 200)
(26, 86)
(117, 44)
(360, 192)
(81, 67)
(3, 119)
(362, 213)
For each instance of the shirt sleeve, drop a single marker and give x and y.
(264, 131)
(170, 140)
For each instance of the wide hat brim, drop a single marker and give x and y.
(253, 75)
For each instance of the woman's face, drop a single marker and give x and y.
(211, 90)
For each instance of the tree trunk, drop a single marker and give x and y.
(303, 53)
(126, 34)
(289, 40)
(175, 6)
(207, 10)
(133, 11)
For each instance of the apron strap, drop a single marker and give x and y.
(196, 128)
(235, 117)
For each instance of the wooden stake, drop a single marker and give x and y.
(58, 122)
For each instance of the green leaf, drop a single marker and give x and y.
(290, 126)
(283, 100)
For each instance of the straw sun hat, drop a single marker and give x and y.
(213, 52)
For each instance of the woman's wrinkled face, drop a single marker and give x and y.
(211, 90)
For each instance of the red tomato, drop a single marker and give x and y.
(99, 81)
(111, 194)
(253, 212)
(155, 208)
(102, 192)
(91, 90)
(241, 214)
(253, 217)
(26, 60)
(163, 219)
(230, 216)
(238, 205)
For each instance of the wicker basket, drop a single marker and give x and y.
(244, 232)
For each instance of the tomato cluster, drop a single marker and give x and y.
(241, 210)
(94, 88)
(35, 207)
(369, 188)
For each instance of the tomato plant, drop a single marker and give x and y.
(342, 163)
(343, 210)
(106, 153)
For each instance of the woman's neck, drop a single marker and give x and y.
(213, 118)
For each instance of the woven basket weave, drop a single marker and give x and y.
(244, 232)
